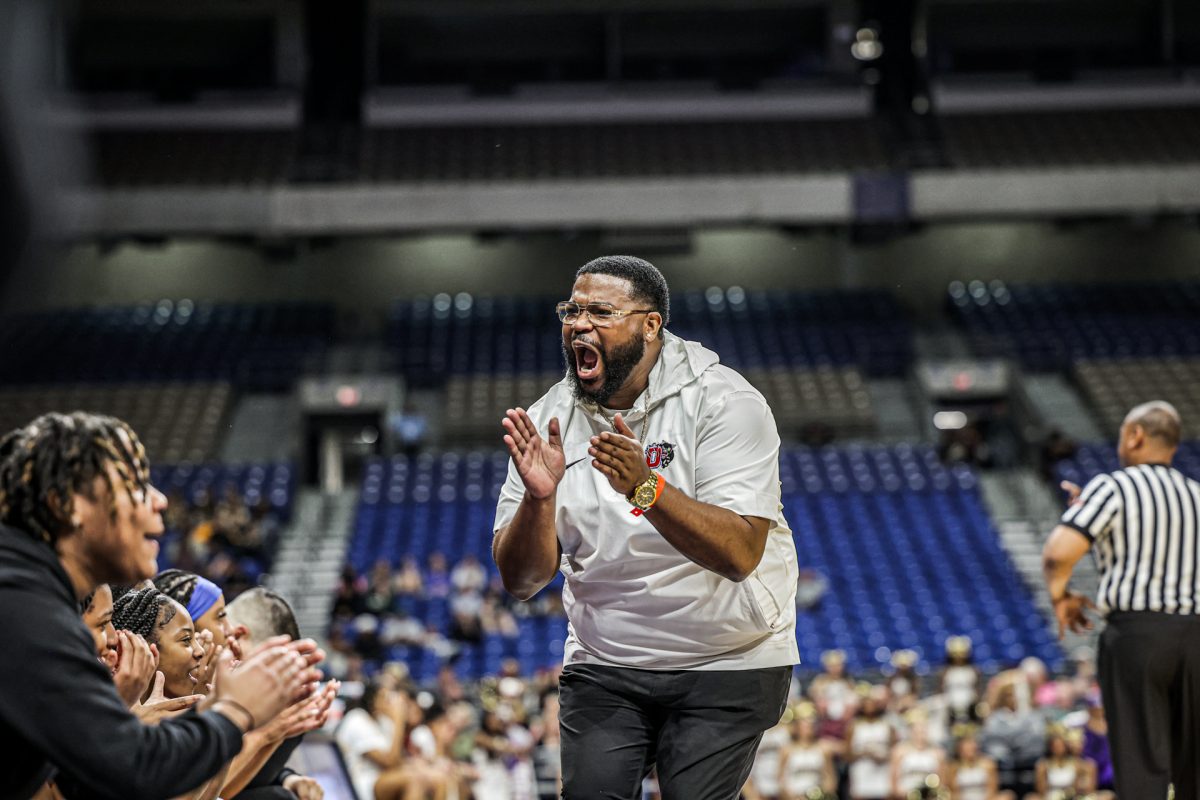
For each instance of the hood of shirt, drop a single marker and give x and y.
(680, 363)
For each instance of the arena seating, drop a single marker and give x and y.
(1092, 459)
(597, 151)
(175, 421)
(832, 398)
(174, 158)
(756, 330)
(904, 542)
(1075, 138)
(1114, 387)
(1048, 327)
(258, 347)
(265, 489)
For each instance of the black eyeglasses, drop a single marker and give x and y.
(601, 314)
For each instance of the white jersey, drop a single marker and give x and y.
(765, 772)
(971, 782)
(961, 688)
(870, 778)
(803, 770)
(916, 766)
(1062, 776)
(631, 598)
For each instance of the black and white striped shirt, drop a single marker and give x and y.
(1142, 522)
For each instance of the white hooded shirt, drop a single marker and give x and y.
(631, 598)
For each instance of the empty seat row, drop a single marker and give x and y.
(175, 421)
(1114, 387)
(578, 151)
(1072, 138)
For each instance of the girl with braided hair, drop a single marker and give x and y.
(168, 627)
(205, 603)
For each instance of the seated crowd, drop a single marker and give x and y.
(1017, 736)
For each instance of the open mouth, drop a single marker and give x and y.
(193, 674)
(587, 361)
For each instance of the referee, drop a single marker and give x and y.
(1141, 520)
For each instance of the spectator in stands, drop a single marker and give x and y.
(372, 739)
(410, 429)
(468, 575)
(350, 599)
(806, 763)
(465, 622)
(437, 578)
(972, 775)
(1061, 773)
(546, 766)
(834, 695)
(916, 760)
(1012, 738)
(495, 618)
(904, 685)
(77, 510)
(231, 522)
(408, 582)
(960, 680)
(258, 615)
(869, 741)
(431, 741)
(379, 587)
(1095, 742)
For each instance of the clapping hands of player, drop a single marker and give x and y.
(136, 663)
(158, 707)
(540, 462)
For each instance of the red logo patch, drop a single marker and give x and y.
(659, 454)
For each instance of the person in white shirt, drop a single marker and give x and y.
(650, 477)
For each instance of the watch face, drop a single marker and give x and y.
(644, 495)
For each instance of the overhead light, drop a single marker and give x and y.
(867, 46)
(949, 420)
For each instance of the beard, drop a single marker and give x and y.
(617, 363)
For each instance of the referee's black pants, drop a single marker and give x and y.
(1149, 666)
(700, 728)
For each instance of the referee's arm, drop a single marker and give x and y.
(1063, 549)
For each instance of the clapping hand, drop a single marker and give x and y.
(136, 662)
(304, 787)
(540, 462)
(618, 455)
(159, 707)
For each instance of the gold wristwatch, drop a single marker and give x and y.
(646, 493)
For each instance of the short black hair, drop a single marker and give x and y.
(646, 284)
(44, 464)
(265, 613)
(144, 612)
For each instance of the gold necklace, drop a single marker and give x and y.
(645, 415)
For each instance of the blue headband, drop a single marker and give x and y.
(203, 597)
